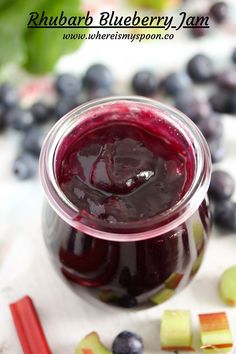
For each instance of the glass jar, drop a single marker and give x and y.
(143, 262)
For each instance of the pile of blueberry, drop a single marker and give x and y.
(179, 88)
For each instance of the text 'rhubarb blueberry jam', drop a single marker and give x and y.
(127, 216)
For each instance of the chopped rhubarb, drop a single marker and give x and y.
(173, 281)
(228, 286)
(162, 296)
(215, 333)
(176, 331)
(28, 327)
(91, 344)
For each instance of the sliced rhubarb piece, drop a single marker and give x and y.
(228, 286)
(176, 331)
(173, 281)
(162, 296)
(215, 333)
(28, 327)
(91, 344)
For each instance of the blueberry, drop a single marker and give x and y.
(127, 301)
(19, 119)
(145, 83)
(8, 95)
(176, 82)
(127, 343)
(200, 68)
(219, 11)
(211, 128)
(225, 215)
(192, 106)
(227, 80)
(217, 149)
(63, 106)
(234, 56)
(221, 102)
(222, 185)
(25, 166)
(68, 85)
(98, 76)
(41, 112)
(33, 141)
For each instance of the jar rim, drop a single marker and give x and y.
(176, 215)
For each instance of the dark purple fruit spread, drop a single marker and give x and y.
(118, 163)
(126, 164)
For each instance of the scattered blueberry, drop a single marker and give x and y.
(33, 141)
(127, 301)
(127, 343)
(219, 11)
(63, 106)
(227, 80)
(200, 68)
(176, 82)
(98, 76)
(222, 185)
(221, 102)
(68, 85)
(25, 166)
(211, 128)
(192, 106)
(41, 112)
(145, 83)
(217, 149)
(8, 95)
(19, 119)
(225, 215)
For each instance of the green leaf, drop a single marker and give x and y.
(44, 46)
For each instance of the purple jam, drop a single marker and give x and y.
(120, 164)
(122, 171)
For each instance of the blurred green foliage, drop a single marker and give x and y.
(37, 50)
(155, 4)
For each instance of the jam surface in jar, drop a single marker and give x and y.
(122, 171)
